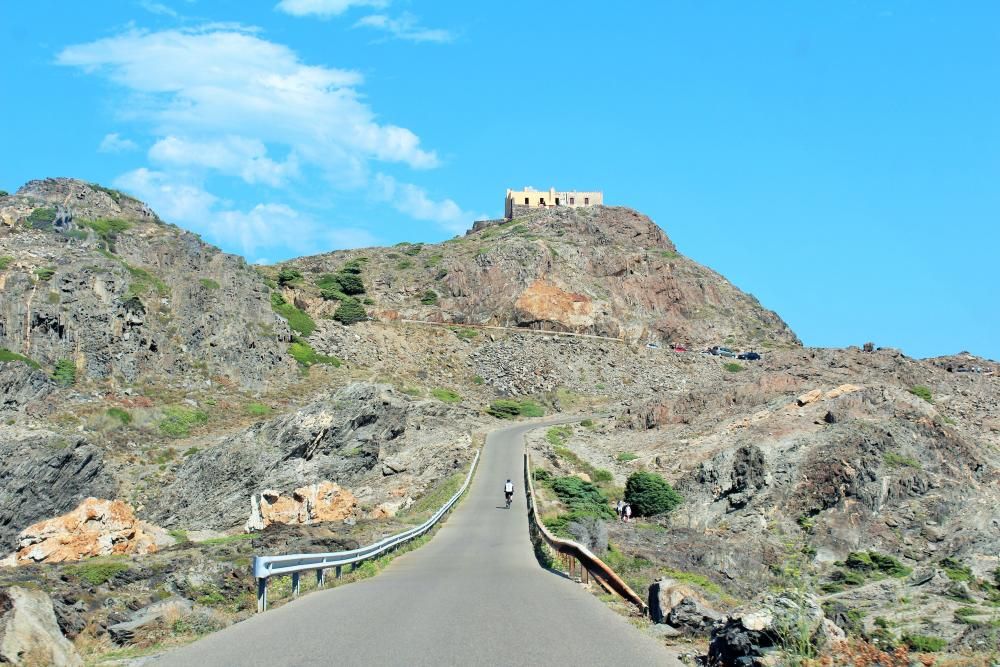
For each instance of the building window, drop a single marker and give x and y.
(557, 201)
(525, 201)
(572, 200)
(586, 201)
(541, 201)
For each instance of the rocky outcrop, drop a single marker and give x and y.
(344, 436)
(21, 385)
(136, 299)
(29, 633)
(43, 474)
(95, 528)
(315, 503)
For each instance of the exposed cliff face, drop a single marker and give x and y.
(605, 270)
(92, 276)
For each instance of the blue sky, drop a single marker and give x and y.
(841, 161)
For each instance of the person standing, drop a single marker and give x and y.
(620, 508)
(627, 512)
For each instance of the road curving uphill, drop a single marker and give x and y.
(474, 595)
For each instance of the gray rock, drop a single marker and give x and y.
(125, 632)
(29, 633)
(693, 617)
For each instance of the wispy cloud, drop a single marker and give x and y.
(324, 8)
(406, 27)
(115, 143)
(415, 202)
(158, 8)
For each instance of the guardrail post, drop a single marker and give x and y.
(338, 571)
(295, 584)
(584, 574)
(320, 578)
(261, 595)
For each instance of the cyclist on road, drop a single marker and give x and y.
(508, 491)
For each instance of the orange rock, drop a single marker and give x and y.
(809, 397)
(843, 389)
(544, 302)
(324, 501)
(95, 528)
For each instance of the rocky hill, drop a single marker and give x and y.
(607, 271)
(151, 383)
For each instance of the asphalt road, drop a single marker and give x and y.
(474, 595)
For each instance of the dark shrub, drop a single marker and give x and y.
(349, 312)
(649, 494)
(288, 276)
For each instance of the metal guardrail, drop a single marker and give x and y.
(265, 567)
(578, 559)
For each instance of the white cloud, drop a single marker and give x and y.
(230, 154)
(266, 226)
(414, 202)
(324, 8)
(157, 8)
(405, 27)
(224, 81)
(115, 143)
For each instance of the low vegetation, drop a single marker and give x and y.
(7, 355)
(508, 408)
(446, 395)
(179, 420)
(899, 460)
(209, 284)
(873, 562)
(625, 457)
(97, 573)
(5, 261)
(350, 311)
(298, 320)
(107, 230)
(45, 272)
(429, 298)
(306, 356)
(920, 391)
(258, 409)
(42, 218)
(123, 416)
(733, 367)
(64, 373)
(289, 276)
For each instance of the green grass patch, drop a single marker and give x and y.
(179, 420)
(699, 580)
(143, 281)
(557, 436)
(304, 353)
(411, 391)
(97, 573)
(733, 367)
(42, 218)
(180, 535)
(900, 461)
(107, 229)
(920, 391)
(228, 539)
(923, 643)
(465, 333)
(446, 395)
(956, 570)
(6, 355)
(209, 284)
(478, 379)
(668, 254)
(625, 457)
(429, 298)
(44, 273)
(64, 373)
(124, 416)
(404, 264)
(5, 261)
(258, 409)
(873, 562)
(298, 320)
(507, 408)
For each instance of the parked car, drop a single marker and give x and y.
(749, 356)
(722, 351)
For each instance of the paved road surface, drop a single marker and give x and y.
(474, 595)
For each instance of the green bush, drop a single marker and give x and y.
(298, 320)
(649, 494)
(899, 460)
(541, 475)
(478, 379)
(582, 498)
(558, 435)
(45, 273)
(108, 229)
(402, 265)
(289, 276)
(733, 367)
(5, 261)
(7, 355)
(179, 420)
(349, 312)
(209, 284)
(64, 373)
(602, 475)
(625, 457)
(124, 416)
(429, 298)
(350, 283)
(42, 218)
(354, 266)
(505, 408)
(97, 573)
(413, 250)
(304, 353)
(956, 570)
(923, 643)
(258, 409)
(446, 395)
(920, 391)
(874, 562)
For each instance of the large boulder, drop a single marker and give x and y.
(44, 474)
(95, 528)
(665, 594)
(126, 631)
(693, 617)
(747, 637)
(315, 503)
(29, 633)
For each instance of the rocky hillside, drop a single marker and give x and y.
(607, 271)
(93, 281)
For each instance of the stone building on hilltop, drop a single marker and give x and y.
(531, 198)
